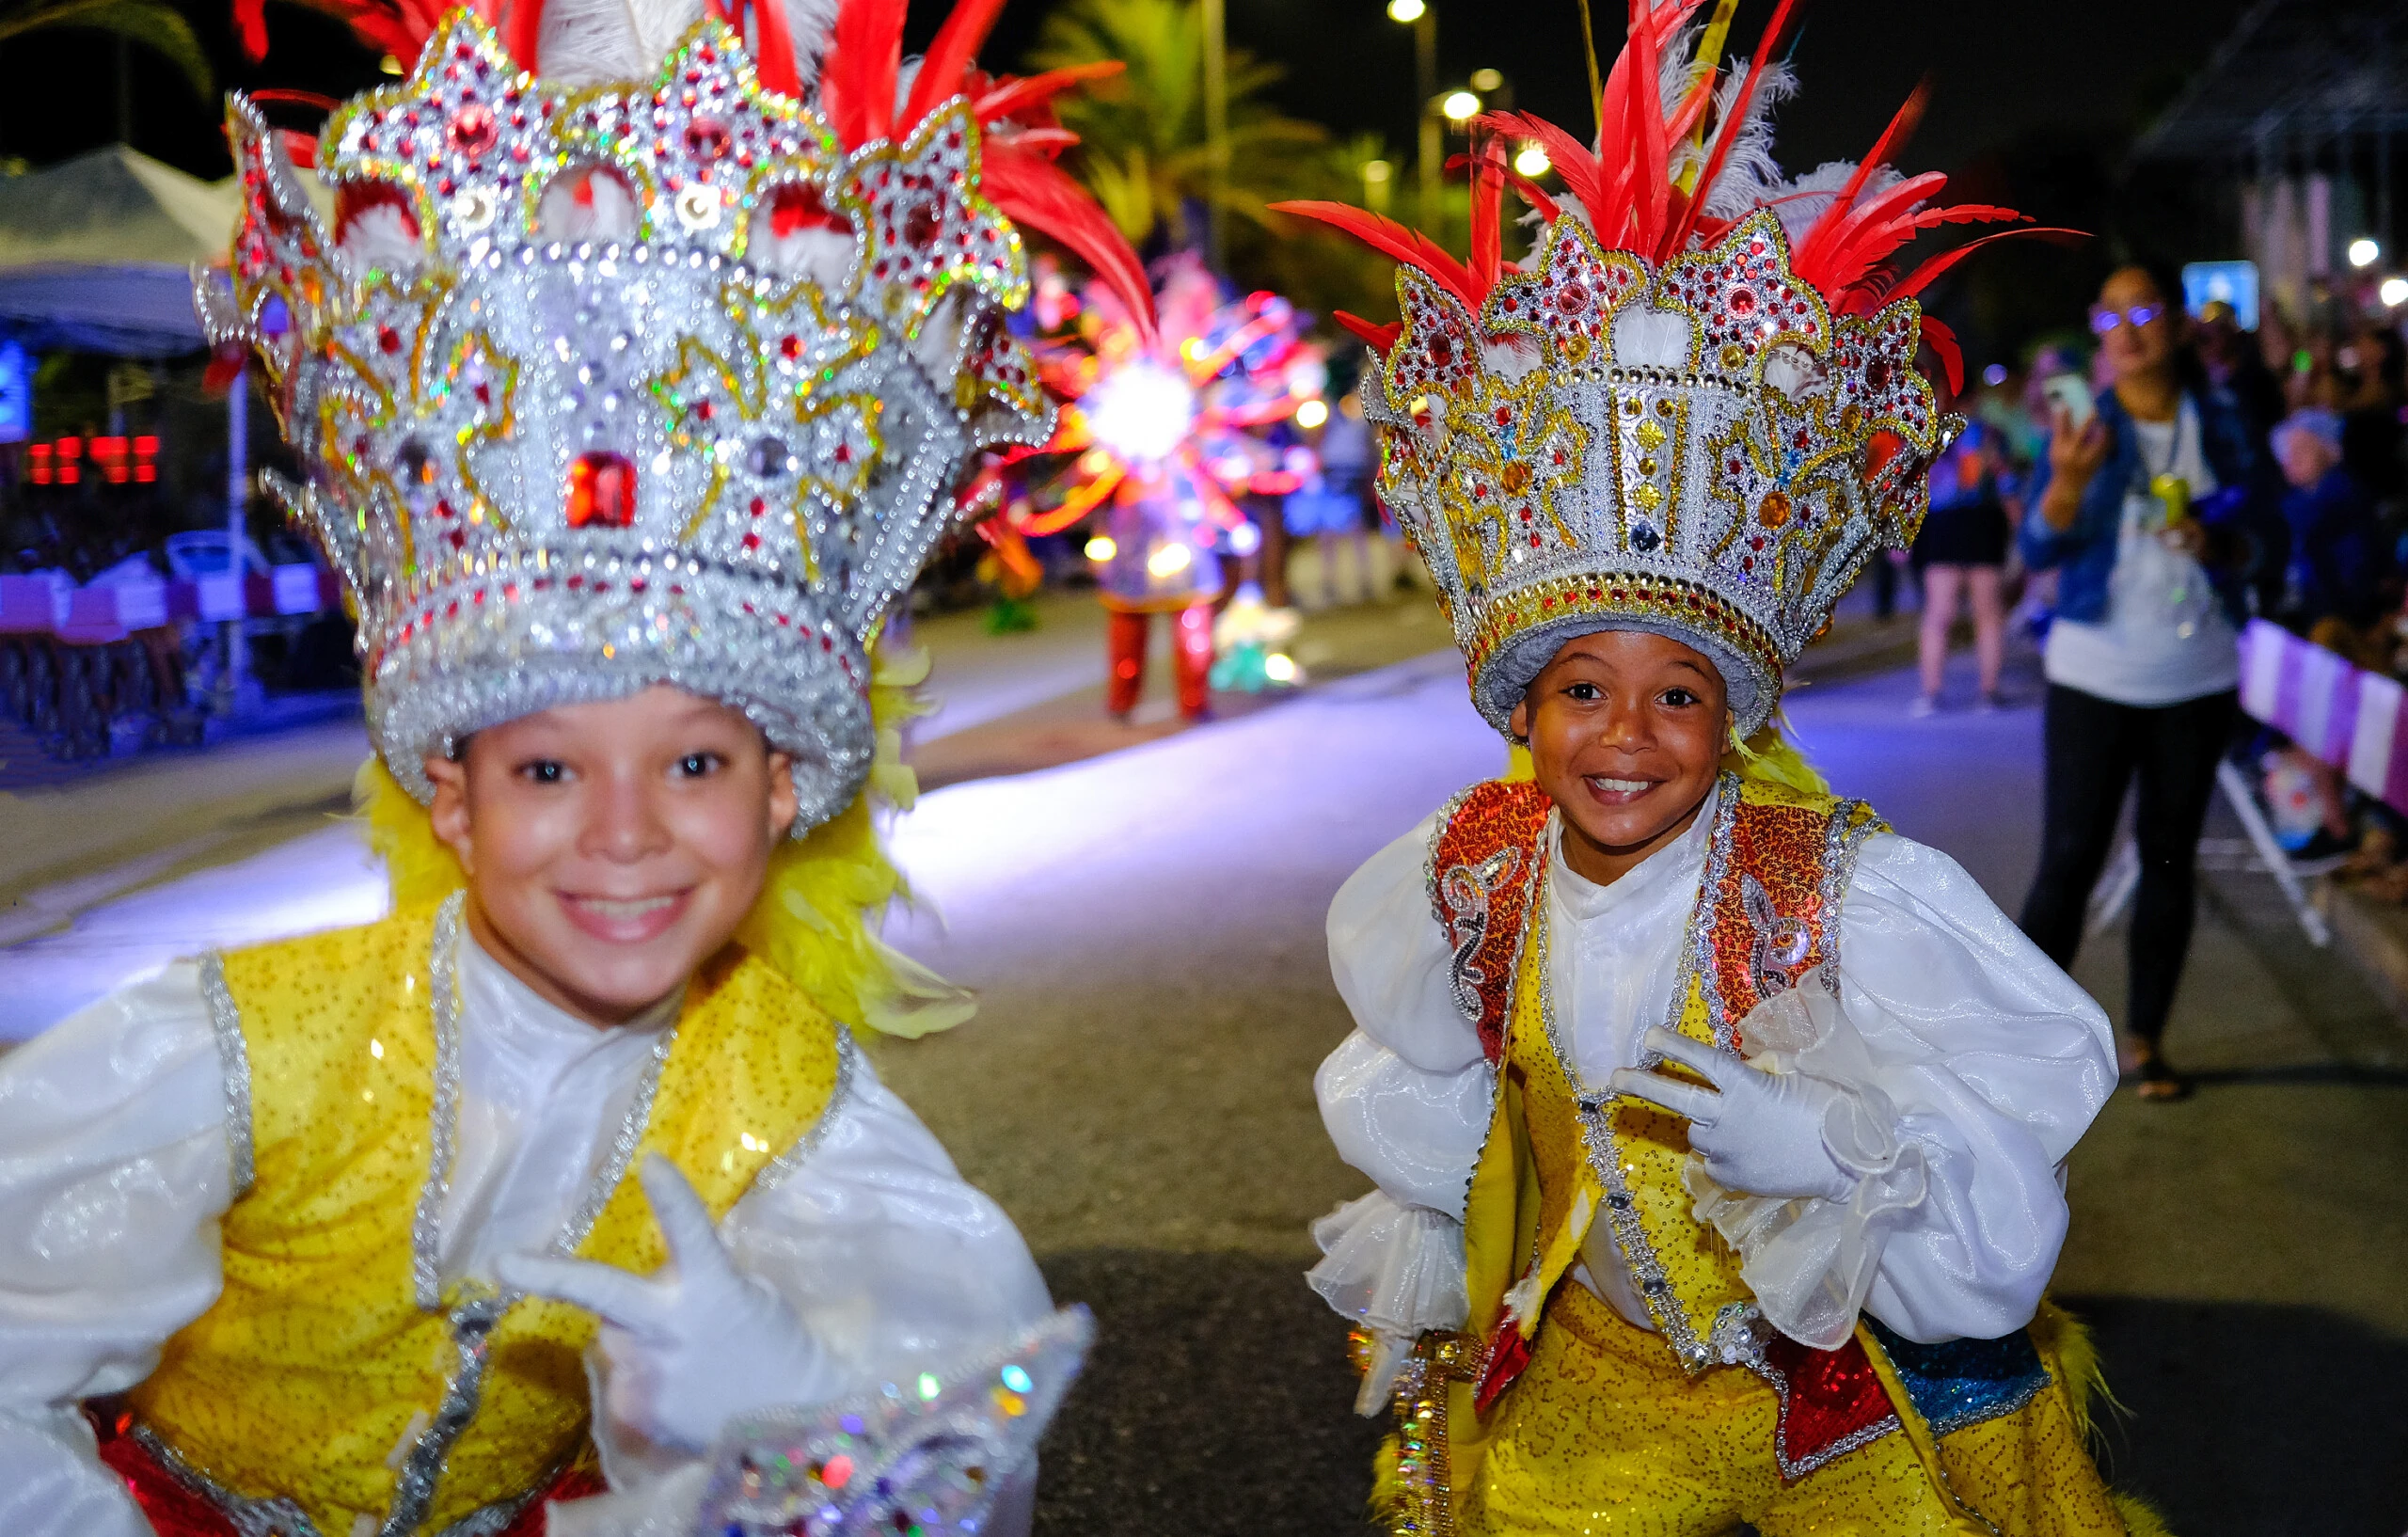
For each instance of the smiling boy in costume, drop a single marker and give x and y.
(627, 410)
(1718, 1129)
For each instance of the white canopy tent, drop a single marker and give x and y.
(96, 253)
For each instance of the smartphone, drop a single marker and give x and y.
(2070, 393)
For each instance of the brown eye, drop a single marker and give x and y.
(543, 771)
(699, 765)
(1588, 693)
(1678, 698)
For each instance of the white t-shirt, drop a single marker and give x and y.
(2165, 638)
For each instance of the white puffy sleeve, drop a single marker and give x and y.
(1976, 1062)
(1406, 1100)
(888, 1257)
(115, 1166)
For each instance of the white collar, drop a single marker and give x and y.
(532, 1041)
(1683, 860)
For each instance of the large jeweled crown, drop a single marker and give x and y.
(1694, 412)
(603, 386)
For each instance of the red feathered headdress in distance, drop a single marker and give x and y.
(857, 85)
(1627, 184)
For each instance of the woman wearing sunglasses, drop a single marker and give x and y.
(2142, 662)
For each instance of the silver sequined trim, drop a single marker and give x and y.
(479, 1312)
(234, 1063)
(1430, 857)
(783, 1167)
(1841, 842)
(1596, 1120)
(279, 1517)
(444, 1001)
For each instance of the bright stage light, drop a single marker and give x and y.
(1532, 162)
(1407, 11)
(1141, 412)
(1311, 414)
(2364, 252)
(2394, 291)
(1101, 548)
(1460, 106)
(1279, 667)
(1169, 561)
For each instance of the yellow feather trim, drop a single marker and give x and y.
(820, 907)
(1769, 757)
(2139, 1518)
(1388, 1484)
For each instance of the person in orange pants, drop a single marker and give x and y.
(1191, 659)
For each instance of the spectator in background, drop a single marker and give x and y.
(1961, 548)
(2337, 560)
(2142, 661)
(2235, 365)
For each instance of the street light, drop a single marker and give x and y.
(1460, 106)
(1378, 178)
(2364, 252)
(1418, 15)
(1488, 80)
(1532, 162)
(2394, 291)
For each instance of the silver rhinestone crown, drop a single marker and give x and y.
(1701, 449)
(708, 448)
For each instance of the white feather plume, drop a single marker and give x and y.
(585, 43)
(384, 236)
(1811, 196)
(1751, 176)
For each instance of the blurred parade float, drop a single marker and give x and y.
(1171, 454)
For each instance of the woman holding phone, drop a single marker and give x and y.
(2156, 506)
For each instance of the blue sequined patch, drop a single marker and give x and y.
(1964, 1382)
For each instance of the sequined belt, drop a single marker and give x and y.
(179, 1502)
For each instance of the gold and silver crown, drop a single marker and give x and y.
(1694, 409)
(1701, 449)
(637, 382)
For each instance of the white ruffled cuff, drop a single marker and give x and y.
(1811, 1262)
(1394, 1268)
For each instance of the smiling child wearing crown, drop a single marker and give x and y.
(628, 409)
(1717, 1129)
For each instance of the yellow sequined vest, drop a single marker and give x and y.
(331, 1376)
(1557, 1159)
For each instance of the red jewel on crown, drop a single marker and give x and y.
(602, 489)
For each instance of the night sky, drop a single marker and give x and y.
(1999, 71)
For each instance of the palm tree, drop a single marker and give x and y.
(154, 25)
(1145, 156)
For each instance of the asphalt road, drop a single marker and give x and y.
(1145, 931)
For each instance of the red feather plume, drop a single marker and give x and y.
(1032, 190)
(858, 77)
(1380, 337)
(1384, 234)
(947, 62)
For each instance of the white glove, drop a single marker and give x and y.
(694, 1346)
(1389, 1354)
(1761, 1134)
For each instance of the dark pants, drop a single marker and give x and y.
(2094, 750)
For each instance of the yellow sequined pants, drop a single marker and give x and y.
(1603, 1436)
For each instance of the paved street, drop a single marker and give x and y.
(1144, 928)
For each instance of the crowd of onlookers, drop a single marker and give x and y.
(2140, 495)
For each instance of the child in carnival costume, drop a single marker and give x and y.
(632, 389)
(1719, 1131)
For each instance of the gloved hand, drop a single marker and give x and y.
(694, 1347)
(1388, 1355)
(1761, 1135)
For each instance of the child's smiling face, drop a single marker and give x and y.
(612, 848)
(1625, 730)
